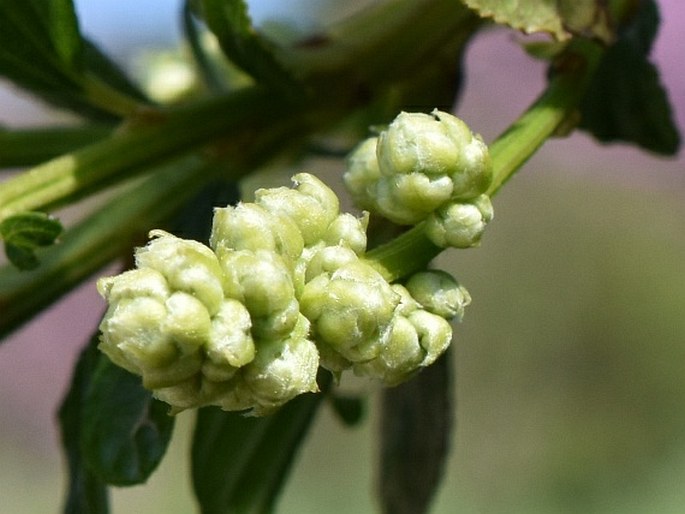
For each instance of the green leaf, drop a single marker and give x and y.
(42, 51)
(350, 409)
(415, 430)
(125, 431)
(229, 20)
(240, 463)
(59, 17)
(86, 493)
(561, 18)
(24, 233)
(625, 100)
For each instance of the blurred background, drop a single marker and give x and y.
(570, 362)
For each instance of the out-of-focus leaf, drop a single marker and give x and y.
(42, 51)
(561, 18)
(241, 463)
(24, 233)
(86, 493)
(229, 20)
(415, 430)
(125, 430)
(61, 26)
(350, 409)
(32, 146)
(625, 100)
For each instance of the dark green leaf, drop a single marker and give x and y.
(240, 463)
(86, 493)
(42, 51)
(625, 100)
(207, 68)
(350, 409)
(126, 432)
(60, 19)
(415, 430)
(24, 233)
(230, 22)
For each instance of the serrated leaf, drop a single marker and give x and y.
(561, 18)
(24, 233)
(229, 20)
(125, 430)
(86, 493)
(240, 464)
(415, 431)
(625, 100)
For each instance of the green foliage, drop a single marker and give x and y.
(362, 71)
(124, 432)
(24, 233)
(239, 464)
(87, 492)
(42, 50)
(625, 100)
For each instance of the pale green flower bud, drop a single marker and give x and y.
(435, 334)
(435, 145)
(350, 309)
(249, 226)
(438, 292)
(311, 205)
(138, 331)
(328, 259)
(186, 265)
(362, 173)
(408, 199)
(460, 225)
(348, 230)
(282, 369)
(131, 335)
(263, 284)
(230, 345)
(400, 355)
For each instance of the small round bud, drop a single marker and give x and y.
(186, 265)
(248, 226)
(230, 345)
(408, 199)
(261, 281)
(348, 230)
(350, 309)
(460, 225)
(328, 259)
(282, 369)
(311, 205)
(438, 292)
(362, 173)
(435, 334)
(400, 356)
(187, 321)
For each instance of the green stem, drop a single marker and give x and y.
(30, 147)
(412, 251)
(94, 242)
(140, 144)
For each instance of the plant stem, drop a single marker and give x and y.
(143, 142)
(412, 251)
(30, 147)
(94, 242)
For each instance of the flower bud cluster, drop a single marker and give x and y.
(282, 288)
(425, 167)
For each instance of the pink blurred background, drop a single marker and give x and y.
(36, 362)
